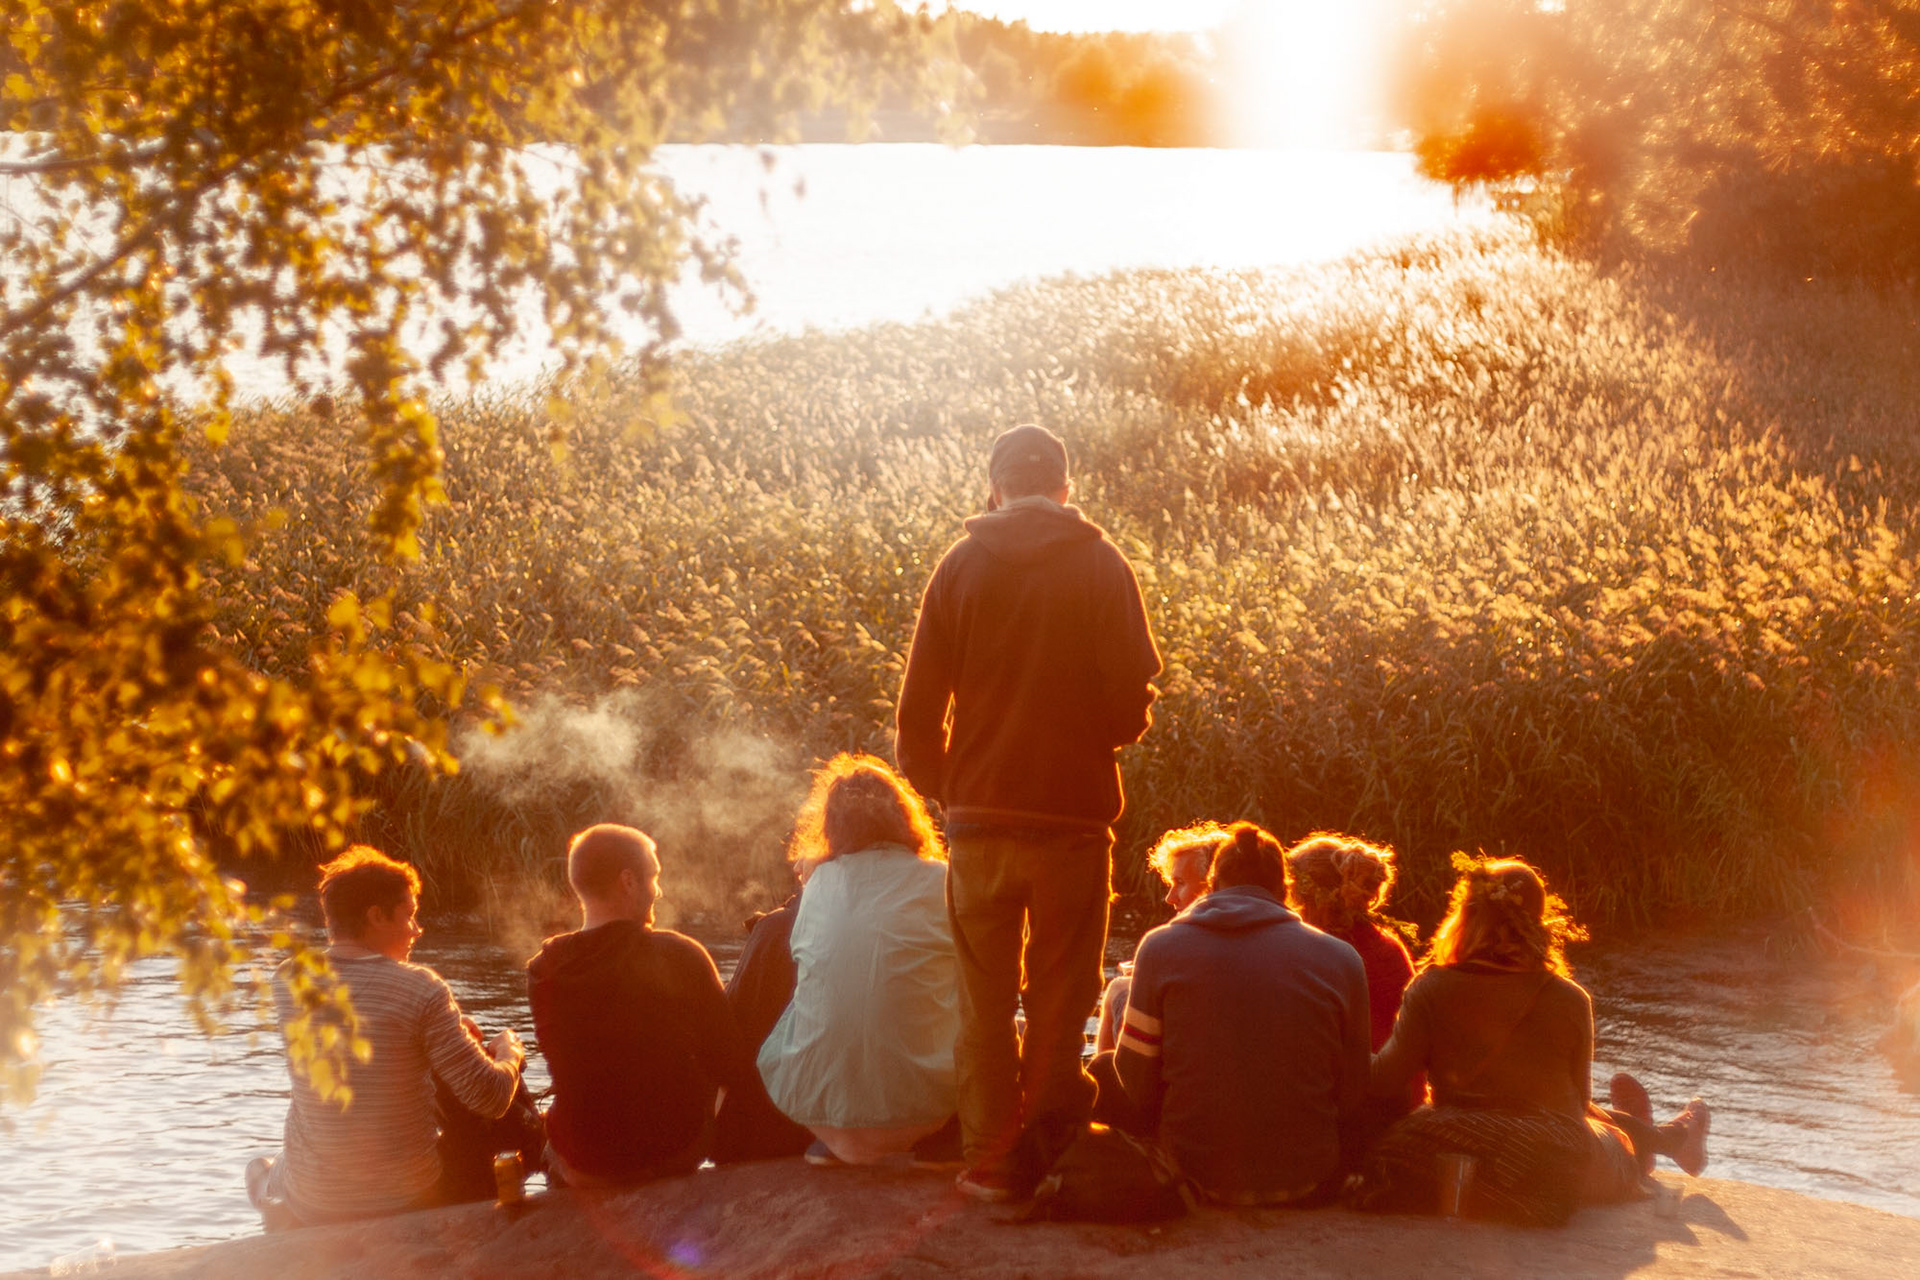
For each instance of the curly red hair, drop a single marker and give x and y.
(857, 802)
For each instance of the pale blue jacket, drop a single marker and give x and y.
(867, 1041)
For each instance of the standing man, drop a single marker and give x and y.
(1029, 669)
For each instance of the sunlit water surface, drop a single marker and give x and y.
(837, 236)
(142, 1127)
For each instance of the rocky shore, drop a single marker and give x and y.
(786, 1219)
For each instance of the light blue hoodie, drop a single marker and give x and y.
(867, 1041)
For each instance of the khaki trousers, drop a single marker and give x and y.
(1029, 914)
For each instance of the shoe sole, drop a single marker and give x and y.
(983, 1193)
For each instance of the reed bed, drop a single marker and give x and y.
(1462, 545)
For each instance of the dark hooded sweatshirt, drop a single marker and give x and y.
(1246, 1030)
(1033, 634)
(637, 1033)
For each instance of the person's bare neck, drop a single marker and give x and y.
(595, 914)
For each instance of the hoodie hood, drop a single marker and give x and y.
(583, 956)
(1237, 909)
(1024, 531)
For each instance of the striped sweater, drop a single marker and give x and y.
(377, 1155)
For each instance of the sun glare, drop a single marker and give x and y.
(1304, 73)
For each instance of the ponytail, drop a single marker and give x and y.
(1249, 857)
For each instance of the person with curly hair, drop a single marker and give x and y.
(864, 1054)
(1505, 1034)
(1339, 884)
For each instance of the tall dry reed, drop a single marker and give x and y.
(1460, 545)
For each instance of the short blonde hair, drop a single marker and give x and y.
(597, 856)
(1200, 838)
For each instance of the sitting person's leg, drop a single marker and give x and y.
(1112, 1106)
(1682, 1139)
(1113, 1008)
(469, 1142)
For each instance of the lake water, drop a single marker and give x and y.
(838, 236)
(142, 1127)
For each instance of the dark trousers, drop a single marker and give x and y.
(1113, 1106)
(469, 1142)
(1029, 916)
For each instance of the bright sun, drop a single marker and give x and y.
(1305, 73)
(1299, 73)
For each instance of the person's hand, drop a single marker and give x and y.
(506, 1047)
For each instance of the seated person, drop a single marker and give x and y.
(1181, 858)
(758, 993)
(380, 1152)
(863, 1055)
(633, 1023)
(1338, 885)
(1245, 1039)
(1506, 1038)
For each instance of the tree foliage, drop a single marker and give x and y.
(1785, 132)
(180, 179)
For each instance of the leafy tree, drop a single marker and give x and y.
(1739, 130)
(320, 175)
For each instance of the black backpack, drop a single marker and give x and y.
(1106, 1175)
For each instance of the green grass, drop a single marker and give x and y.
(1460, 545)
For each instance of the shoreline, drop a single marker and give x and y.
(782, 1218)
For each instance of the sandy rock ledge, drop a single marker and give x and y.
(786, 1219)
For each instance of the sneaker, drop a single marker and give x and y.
(1629, 1096)
(1691, 1155)
(988, 1188)
(940, 1149)
(819, 1156)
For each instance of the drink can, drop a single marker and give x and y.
(1454, 1173)
(509, 1179)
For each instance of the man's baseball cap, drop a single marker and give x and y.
(1031, 453)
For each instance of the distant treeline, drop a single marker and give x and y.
(1015, 84)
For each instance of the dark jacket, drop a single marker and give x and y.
(1033, 632)
(638, 1037)
(1246, 1030)
(749, 1127)
(764, 976)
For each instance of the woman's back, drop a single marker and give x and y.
(867, 1041)
(1493, 1038)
